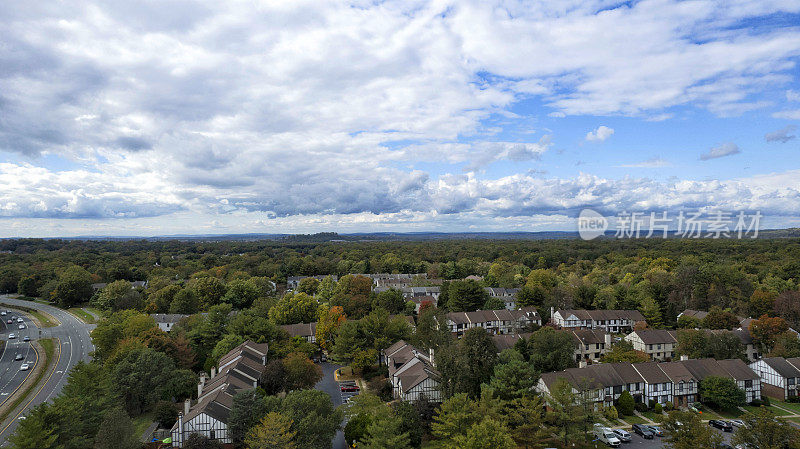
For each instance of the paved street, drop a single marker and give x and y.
(75, 346)
(329, 385)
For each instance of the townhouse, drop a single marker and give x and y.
(306, 331)
(590, 344)
(611, 320)
(493, 321)
(166, 321)
(662, 382)
(779, 376)
(239, 369)
(657, 343)
(507, 295)
(749, 346)
(412, 373)
(409, 293)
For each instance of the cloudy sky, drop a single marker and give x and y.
(165, 117)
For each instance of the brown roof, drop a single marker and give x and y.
(738, 369)
(651, 372)
(300, 329)
(677, 372)
(604, 315)
(656, 336)
(782, 366)
(587, 336)
(416, 374)
(702, 368)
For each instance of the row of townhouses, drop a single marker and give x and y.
(499, 322)
(613, 321)
(590, 344)
(676, 382)
(661, 344)
(412, 373)
(239, 369)
(779, 376)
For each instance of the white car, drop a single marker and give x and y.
(3, 313)
(21, 326)
(737, 422)
(20, 320)
(24, 367)
(10, 336)
(606, 435)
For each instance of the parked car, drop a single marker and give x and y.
(11, 336)
(3, 313)
(656, 430)
(21, 326)
(720, 424)
(18, 357)
(605, 435)
(642, 431)
(9, 321)
(24, 367)
(26, 338)
(20, 320)
(623, 435)
(738, 423)
(349, 388)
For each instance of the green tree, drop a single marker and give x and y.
(314, 418)
(28, 286)
(140, 378)
(308, 286)
(273, 379)
(763, 431)
(327, 326)
(514, 379)
(386, 434)
(685, 430)
(197, 441)
(466, 365)
(525, 420)
(74, 287)
(721, 392)
(294, 308)
(356, 428)
(487, 434)
(182, 385)
(455, 414)
(465, 295)
(116, 431)
(165, 414)
(301, 372)
(162, 298)
(392, 300)
(274, 431)
(185, 302)
(625, 404)
(623, 351)
(566, 411)
(208, 290)
(718, 318)
(787, 345)
(249, 407)
(550, 350)
(766, 330)
(37, 431)
(225, 346)
(242, 293)
(409, 422)
(651, 312)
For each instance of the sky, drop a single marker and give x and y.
(122, 118)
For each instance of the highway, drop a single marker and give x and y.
(76, 345)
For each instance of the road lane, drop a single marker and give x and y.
(75, 340)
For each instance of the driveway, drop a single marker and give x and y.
(329, 385)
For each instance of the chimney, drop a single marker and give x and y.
(607, 339)
(684, 357)
(180, 429)
(213, 371)
(201, 384)
(187, 404)
(430, 354)
(552, 312)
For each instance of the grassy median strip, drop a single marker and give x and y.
(44, 319)
(46, 357)
(82, 315)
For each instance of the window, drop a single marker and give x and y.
(791, 380)
(749, 383)
(650, 347)
(659, 346)
(212, 435)
(618, 389)
(655, 387)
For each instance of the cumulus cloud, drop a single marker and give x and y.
(782, 135)
(726, 149)
(600, 134)
(788, 114)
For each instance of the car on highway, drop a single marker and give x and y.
(720, 424)
(24, 367)
(26, 338)
(643, 431)
(20, 320)
(3, 313)
(622, 435)
(9, 321)
(656, 430)
(18, 357)
(10, 336)
(21, 326)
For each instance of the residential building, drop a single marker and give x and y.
(611, 320)
(412, 373)
(657, 343)
(590, 344)
(507, 295)
(746, 379)
(779, 376)
(166, 321)
(410, 293)
(306, 331)
(685, 387)
(493, 321)
(239, 369)
(292, 282)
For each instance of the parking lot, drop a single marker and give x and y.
(348, 389)
(657, 442)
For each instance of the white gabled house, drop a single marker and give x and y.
(779, 376)
(611, 320)
(412, 373)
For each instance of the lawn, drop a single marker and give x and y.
(82, 315)
(793, 406)
(141, 423)
(653, 416)
(730, 413)
(633, 419)
(775, 410)
(44, 318)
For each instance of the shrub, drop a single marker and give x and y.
(651, 404)
(625, 404)
(669, 406)
(658, 409)
(793, 399)
(640, 407)
(756, 403)
(381, 387)
(165, 414)
(765, 401)
(611, 413)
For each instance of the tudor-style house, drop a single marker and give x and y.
(657, 343)
(493, 321)
(779, 376)
(507, 295)
(613, 321)
(590, 344)
(306, 331)
(239, 369)
(412, 373)
(166, 321)
(684, 385)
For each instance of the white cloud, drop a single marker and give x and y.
(654, 162)
(793, 95)
(782, 135)
(726, 149)
(789, 114)
(600, 134)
